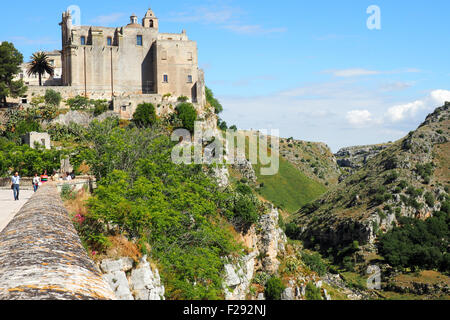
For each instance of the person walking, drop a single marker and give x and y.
(44, 177)
(36, 182)
(15, 181)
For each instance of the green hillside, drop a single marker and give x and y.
(290, 189)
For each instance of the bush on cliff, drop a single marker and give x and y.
(274, 288)
(145, 115)
(187, 114)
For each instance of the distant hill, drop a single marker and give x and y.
(409, 178)
(314, 159)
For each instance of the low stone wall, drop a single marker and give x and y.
(42, 257)
(26, 183)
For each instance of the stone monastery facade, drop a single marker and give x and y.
(135, 59)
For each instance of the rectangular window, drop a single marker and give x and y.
(139, 40)
(109, 41)
(83, 40)
(189, 56)
(166, 78)
(189, 79)
(164, 55)
(52, 62)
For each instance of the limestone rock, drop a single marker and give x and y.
(145, 284)
(118, 282)
(238, 277)
(288, 294)
(122, 264)
(271, 240)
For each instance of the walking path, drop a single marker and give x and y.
(9, 207)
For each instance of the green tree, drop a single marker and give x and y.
(10, 60)
(187, 114)
(145, 115)
(213, 101)
(40, 65)
(52, 97)
(274, 288)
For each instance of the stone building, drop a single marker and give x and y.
(42, 138)
(54, 58)
(135, 59)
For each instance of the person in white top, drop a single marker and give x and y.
(15, 181)
(36, 182)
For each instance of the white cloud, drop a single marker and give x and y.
(409, 110)
(359, 118)
(358, 72)
(352, 72)
(440, 96)
(402, 111)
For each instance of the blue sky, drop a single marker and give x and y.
(311, 69)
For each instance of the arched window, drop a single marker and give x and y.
(83, 40)
(151, 23)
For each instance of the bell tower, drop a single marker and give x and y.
(150, 20)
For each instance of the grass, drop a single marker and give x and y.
(289, 189)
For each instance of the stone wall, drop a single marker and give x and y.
(42, 257)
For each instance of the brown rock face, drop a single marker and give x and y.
(42, 257)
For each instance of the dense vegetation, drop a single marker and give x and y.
(176, 213)
(25, 160)
(419, 244)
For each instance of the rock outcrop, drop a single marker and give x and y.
(142, 283)
(238, 277)
(267, 240)
(353, 158)
(81, 118)
(271, 240)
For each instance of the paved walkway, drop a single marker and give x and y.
(9, 207)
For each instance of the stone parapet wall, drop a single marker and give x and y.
(42, 257)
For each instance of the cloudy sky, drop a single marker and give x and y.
(312, 69)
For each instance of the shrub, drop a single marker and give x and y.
(182, 99)
(213, 101)
(145, 115)
(52, 97)
(187, 114)
(274, 288)
(403, 184)
(315, 263)
(245, 210)
(78, 103)
(100, 106)
(391, 177)
(312, 292)
(429, 199)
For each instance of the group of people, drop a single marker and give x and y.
(37, 181)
